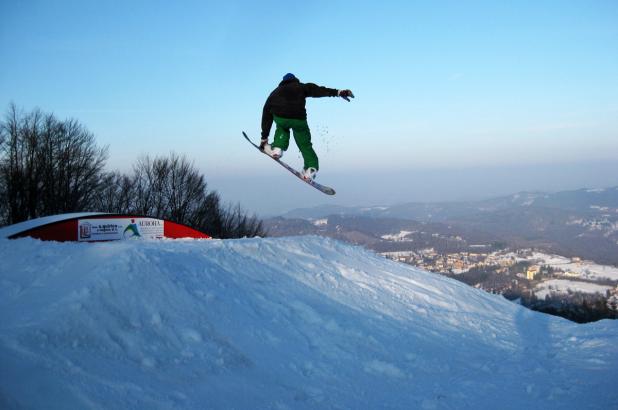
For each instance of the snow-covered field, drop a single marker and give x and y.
(585, 269)
(397, 237)
(562, 286)
(278, 323)
(321, 222)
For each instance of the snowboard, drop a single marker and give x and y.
(319, 187)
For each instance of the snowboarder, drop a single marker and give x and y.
(286, 106)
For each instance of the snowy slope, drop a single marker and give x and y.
(285, 323)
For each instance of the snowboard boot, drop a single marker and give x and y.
(309, 174)
(276, 152)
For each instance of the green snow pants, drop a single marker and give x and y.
(302, 136)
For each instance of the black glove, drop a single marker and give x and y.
(345, 94)
(263, 142)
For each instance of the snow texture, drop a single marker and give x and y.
(277, 323)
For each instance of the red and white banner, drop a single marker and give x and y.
(113, 229)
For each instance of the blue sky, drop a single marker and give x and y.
(471, 86)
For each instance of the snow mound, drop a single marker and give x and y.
(278, 323)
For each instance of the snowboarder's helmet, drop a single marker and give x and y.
(288, 76)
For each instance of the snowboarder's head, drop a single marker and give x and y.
(288, 76)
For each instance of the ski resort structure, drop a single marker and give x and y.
(97, 226)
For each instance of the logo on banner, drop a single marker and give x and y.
(131, 231)
(85, 230)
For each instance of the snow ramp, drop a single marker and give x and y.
(277, 323)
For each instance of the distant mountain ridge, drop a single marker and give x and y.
(576, 200)
(581, 222)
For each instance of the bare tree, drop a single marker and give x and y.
(172, 188)
(237, 223)
(47, 166)
(115, 194)
(167, 187)
(4, 210)
(17, 165)
(74, 167)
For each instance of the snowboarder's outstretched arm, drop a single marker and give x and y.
(314, 90)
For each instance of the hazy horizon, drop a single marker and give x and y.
(276, 192)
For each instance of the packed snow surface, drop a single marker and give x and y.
(278, 323)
